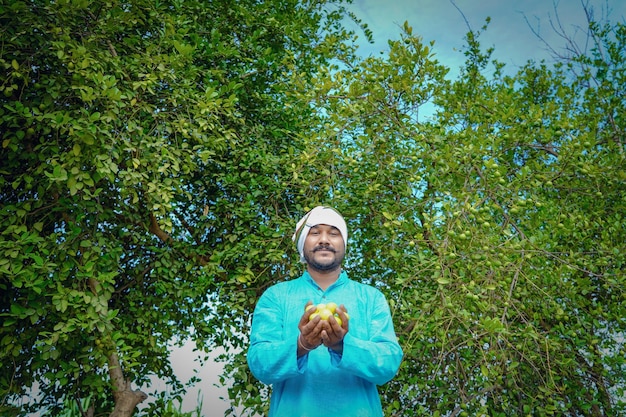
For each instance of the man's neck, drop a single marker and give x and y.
(324, 279)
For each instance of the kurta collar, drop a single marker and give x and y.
(341, 280)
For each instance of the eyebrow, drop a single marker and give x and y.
(318, 225)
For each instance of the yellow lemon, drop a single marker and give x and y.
(325, 313)
(332, 307)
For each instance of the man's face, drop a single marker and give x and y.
(324, 248)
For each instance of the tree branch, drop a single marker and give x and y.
(155, 229)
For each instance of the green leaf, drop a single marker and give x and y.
(59, 173)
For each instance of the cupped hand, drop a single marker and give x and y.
(333, 333)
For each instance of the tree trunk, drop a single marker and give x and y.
(125, 398)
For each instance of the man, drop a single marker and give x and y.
(323, 367)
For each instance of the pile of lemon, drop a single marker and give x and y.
(325, 311)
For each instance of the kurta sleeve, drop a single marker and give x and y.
(378, 358)
(272, 357)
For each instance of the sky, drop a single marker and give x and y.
(509, 33)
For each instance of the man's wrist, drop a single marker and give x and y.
(337, 348)
(302, 345)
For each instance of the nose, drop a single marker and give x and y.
(324, 237)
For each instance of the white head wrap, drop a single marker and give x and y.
(319, 215)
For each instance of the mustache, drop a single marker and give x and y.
(328, 248)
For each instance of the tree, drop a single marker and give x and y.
(495, 227)
(146, 181)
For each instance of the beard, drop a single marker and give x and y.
(323, 266)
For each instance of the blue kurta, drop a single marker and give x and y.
(323, 382)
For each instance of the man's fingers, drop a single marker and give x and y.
(310, 324)
(329, 332)
(306, 314)
(341, 322)
(334, 324)
(312, 328)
